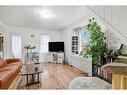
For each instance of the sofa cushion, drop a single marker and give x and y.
(15, 64)
(1, 69)
(13, 60)
(12, 68)
(5, 78)
(2, 62)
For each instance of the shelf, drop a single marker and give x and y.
(56, 57)
(99, 72)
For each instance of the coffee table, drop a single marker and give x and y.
(32, 70)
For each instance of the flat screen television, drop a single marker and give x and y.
(56, 46)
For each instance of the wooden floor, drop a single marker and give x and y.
(56, 76)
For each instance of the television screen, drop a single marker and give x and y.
(56, 46)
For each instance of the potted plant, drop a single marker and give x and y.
(97, 47)
(28, 47)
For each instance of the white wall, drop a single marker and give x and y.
(75, 60)
(25, 34)
(67, 34)
(112, 14)
(116, 16)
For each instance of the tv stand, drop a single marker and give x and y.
(56, 57)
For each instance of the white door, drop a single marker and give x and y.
(43, 57)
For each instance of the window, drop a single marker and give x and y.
(84, 40)
(75, 41)
(80, 39)
(16, 46)
(75, 44)
(44, 43)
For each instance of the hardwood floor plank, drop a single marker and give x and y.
(56, 76)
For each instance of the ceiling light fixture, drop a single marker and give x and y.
(46, 13)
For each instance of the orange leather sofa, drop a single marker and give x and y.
(9, 69)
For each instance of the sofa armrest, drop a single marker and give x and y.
(11, 60)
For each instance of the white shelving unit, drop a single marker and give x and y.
(56, 57)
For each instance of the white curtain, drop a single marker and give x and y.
(16, 46)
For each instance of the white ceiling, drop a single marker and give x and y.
(28, 16)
